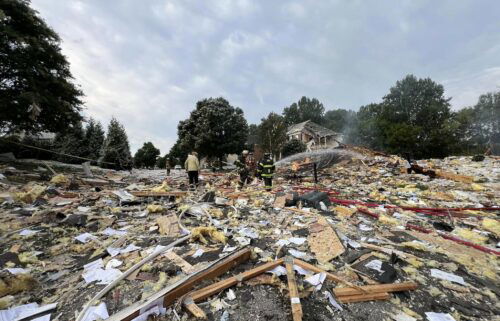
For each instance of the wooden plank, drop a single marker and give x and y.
(173, 292)
(329, 275)
(157, 194)
(363, 297)
(293, 291)
(195, 310)
(212, 289)
(379, 288)
(179, 261)
(211, 273)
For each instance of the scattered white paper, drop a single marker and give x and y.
(198, 253)
(375, 265)
(299, 224)
(156, 310)
(97, 264)
(124, 195)
(113, 263)
(332, 301)
(316, 280)
(301, 270)
(96, 313)
(83, 209)
(18, 271)
(102, 276)
(228, 248)
(297, 254)
(230, 295)
(111, 232)
(278, 271)
(249, 232)
(13, 313)
(297, 240)
(403, 317)
(432, 316)
(64, 203)
(447, 276)
(282, 243)
(44, 318)
(27, 232)
(34, 310)
(243, 241)
(365, 228)
(85, 237)
(114, 251)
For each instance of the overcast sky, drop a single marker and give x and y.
(148, 62)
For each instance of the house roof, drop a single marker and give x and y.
(312, 127)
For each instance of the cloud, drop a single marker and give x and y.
(148, 63)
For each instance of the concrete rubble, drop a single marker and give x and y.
(367, 241)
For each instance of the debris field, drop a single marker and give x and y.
(364, 240)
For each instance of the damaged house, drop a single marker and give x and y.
(313, 135)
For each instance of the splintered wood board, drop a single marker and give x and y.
(325, 244)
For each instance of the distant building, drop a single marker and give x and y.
(313, 135)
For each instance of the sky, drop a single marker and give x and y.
(148, 62)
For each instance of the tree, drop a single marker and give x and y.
(339, 120)
(36, 88)
(94, 138)
(414, 117)
(116, 149)
(272, 130)
(72, 142)
(304, 109)
(214, 129)
(178, 153)
(253, 135)
(293, 146)
(146, 155)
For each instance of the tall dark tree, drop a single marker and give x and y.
(36, 87)
(339, 120)
(146, 156)
(214, 129)
(178, 153)
(116, 149)
(414, 117)
(94, 139)
(72, 142)
(272, 133)
(304, 109)
(253, 135)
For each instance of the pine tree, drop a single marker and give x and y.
(116, 148)
(71, 143)
(94, 139)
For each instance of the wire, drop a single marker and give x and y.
(54, 152)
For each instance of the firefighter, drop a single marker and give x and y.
(266, 171)
(243, 170)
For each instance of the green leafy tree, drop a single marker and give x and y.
(116, 149)
(304, 109)
(272, 133)
(414, 117)
(178, 153)
(253, 135)
(214, 129)
(72, 142)
(36, 88)
(339, 120)
(94, 139)
(293, 146)
(146, 156)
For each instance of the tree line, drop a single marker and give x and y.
(38, 94)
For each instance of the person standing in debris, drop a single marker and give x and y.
(192, 166)
(167, 166)
(266, 170)
(243, 169)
